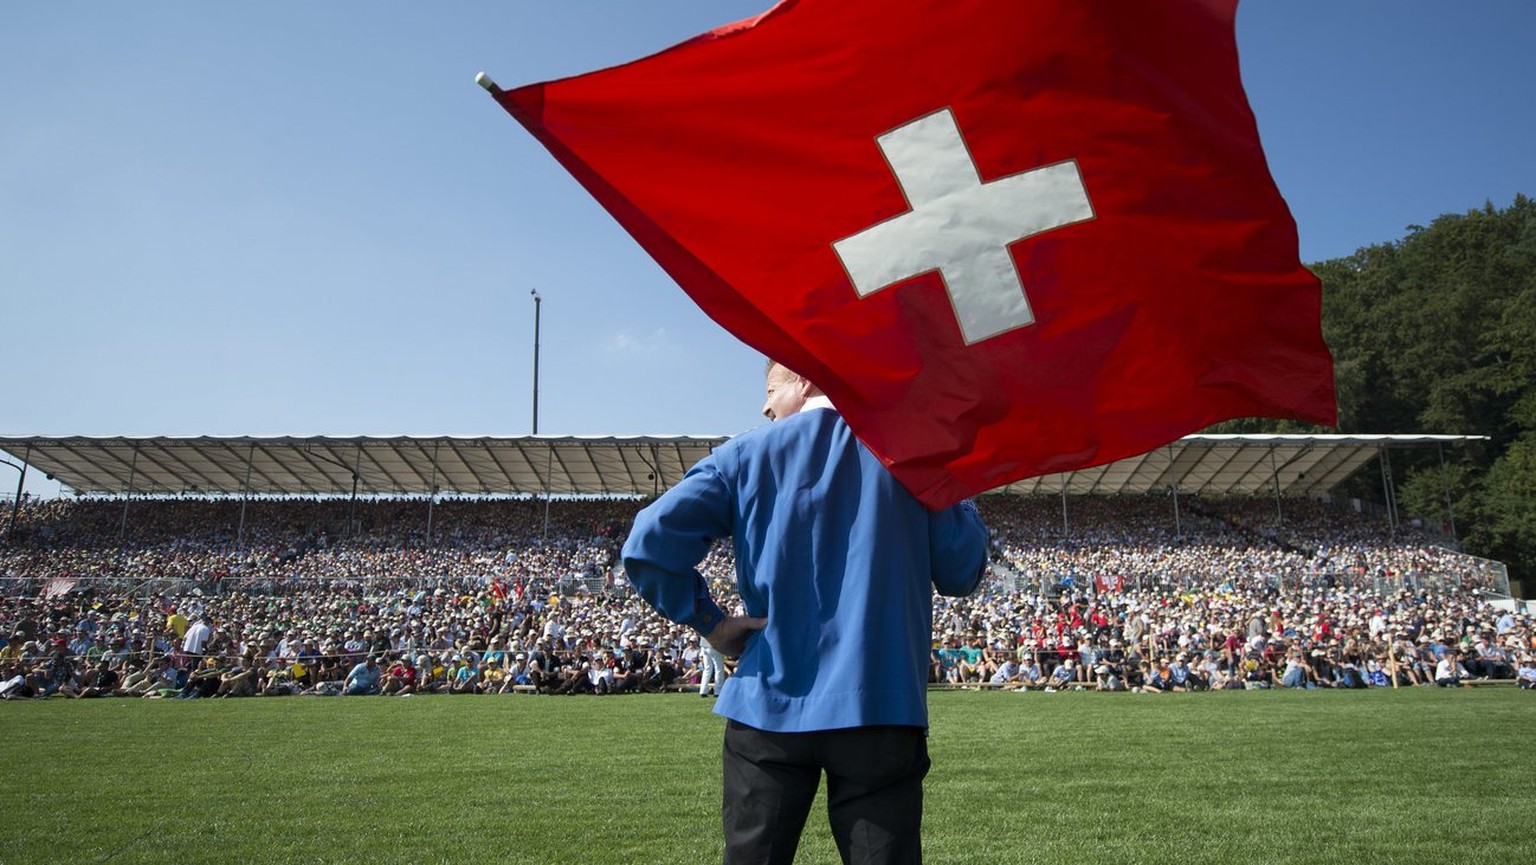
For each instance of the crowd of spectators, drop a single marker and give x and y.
(200, 598)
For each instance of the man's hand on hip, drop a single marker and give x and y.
(729, 638)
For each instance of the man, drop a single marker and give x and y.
(1449, 672)
(241, 679)
(1526, 675)
(1030, 674)
(364, 678)
(1062, 677)
(400, 680)
(1006, 676)
(711, 672)
(196, 639)
(1491, 661)
(836, 565)
(100, 682)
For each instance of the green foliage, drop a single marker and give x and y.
(1507, 524)
(1071, 778)
(1436, 333)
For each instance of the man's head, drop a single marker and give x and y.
(787, 391)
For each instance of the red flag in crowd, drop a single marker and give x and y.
(1110, 582)
(1007, 239)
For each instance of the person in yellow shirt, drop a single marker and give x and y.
(13, 649)
(177, 622)
(494, 680)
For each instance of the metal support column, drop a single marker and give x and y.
(1274, 473)
(21, 483)
(357, 461)
(1178, 524)
(133, 469)
(432, 495)
(245, 497)
(1445, 480)
(1387, 490)
(549, 468)
(1066, 529)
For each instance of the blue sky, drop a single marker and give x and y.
(296, 218)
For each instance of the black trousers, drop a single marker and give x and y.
(874, 792)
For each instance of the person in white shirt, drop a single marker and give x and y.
(1449, 672)
(1492, 661)
(1505, 624)
(1526, 675)
(1378, 624)
(197, 637)
(1007, 674)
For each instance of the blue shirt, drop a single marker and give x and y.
(838, 556)
(365, 677)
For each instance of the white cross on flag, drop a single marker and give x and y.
(1007, 238)
(960, 226)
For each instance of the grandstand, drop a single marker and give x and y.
(467, 561)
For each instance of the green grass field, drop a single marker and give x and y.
(1423, 776)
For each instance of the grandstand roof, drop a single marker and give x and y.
(621, 465)
(393, 465)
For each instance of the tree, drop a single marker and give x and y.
(1436, 333)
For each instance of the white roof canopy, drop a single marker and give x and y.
(623, 465)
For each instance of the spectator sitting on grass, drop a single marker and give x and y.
(431, 675)
(1376, 674)
(203, 681)
(168, 681)
(13, 682)
(1105, 679)
(400, 680)
(1007, 674)
(1346, 674)
(1029, 672)
(1526, 675)
(1296, 670)
(1064, 674)
(1449, 672)
(242, 678)
(364, 678)
(1161, 678)
(1179, 673)
(950, 662)
(1490, 661)
(137, 680)
(1255, 672)
(518, 673)
(54, 674)
(99, 682)
(463, 677)
(600, 673)
(577, 680)
(494, 679)
(1224, 679)
(279, 681)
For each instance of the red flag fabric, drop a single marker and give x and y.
(1007, 238)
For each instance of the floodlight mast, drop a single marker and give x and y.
(538, 300)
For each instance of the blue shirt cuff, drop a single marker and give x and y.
(706, 619)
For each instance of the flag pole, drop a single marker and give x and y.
(490, 86)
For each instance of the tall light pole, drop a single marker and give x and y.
(537, 301)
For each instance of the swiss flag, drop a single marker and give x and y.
(1007, 238)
